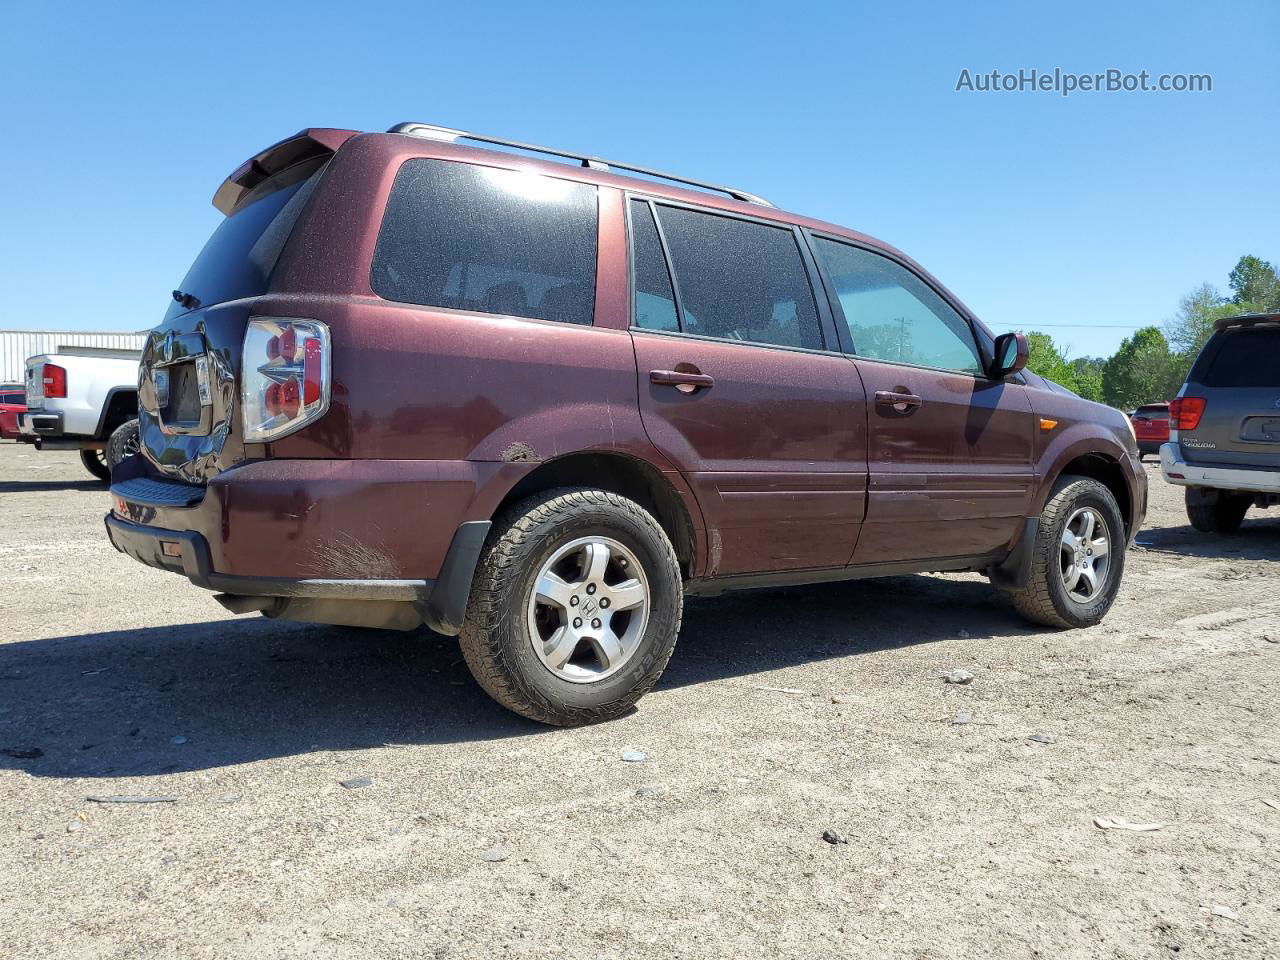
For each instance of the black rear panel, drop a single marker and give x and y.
(1248, 357)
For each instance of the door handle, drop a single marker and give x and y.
(901, 402)
(684, 381)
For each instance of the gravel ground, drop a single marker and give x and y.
(783, 714)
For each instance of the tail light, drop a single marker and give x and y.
(54, 379)
(284, 377)
(1185, 413)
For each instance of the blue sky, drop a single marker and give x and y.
(1084, 216)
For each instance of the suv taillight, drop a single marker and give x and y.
(1185, 412)
(284, 377)
(54, 380)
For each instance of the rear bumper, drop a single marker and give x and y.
(335, 530)
(40, 423)
(1178, 471)
(47, 430)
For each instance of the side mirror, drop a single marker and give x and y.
(1011, 354)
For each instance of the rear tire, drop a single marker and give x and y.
(1069, 585)
(95, 462)
(550, 629)
(123, 443)
(1216, 511)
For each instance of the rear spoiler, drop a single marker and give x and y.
(1246, 320)
(305, 145)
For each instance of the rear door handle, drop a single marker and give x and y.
(685, 382)
(901, 402)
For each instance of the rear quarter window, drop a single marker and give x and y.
(488, 240)
(1241, 358)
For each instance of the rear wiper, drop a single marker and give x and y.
(185, 300)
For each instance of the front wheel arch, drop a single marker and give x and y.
(1102, 468)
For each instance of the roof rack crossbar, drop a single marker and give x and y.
(450, 135)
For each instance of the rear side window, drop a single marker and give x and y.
(655, 303)
(740, 280)
(892, 314)
(489, 240)
(1242, 358)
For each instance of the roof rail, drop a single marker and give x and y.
(449, 135)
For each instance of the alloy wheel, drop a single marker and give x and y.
(588, 609)
(1085, 555)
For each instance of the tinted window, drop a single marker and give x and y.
(13, 398)
(740, 280)
(655, 306)
(1151, 413)
(1244, 358)
(238, 258)
(892, 314)
(490, 240)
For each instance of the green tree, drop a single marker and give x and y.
(1143, 370)
(1047, 360)
(1088, 376)
(1255, 285)
(1193, 323)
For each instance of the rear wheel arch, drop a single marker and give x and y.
(119, 407)
(627, 476)
(1096, 466)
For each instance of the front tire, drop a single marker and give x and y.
(1216, 511)
(574, 608)
(1078, 557)
(96, 463)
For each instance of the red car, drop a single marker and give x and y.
(1151, 427)
(13, 401)
(534, 405)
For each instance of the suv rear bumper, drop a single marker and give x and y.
(333, 530)
(1178, 471)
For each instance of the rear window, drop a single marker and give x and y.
(238, 259)
(488, 240)
(1241, 358)
(13, 398)
(1151, 413)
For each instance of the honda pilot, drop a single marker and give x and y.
(534, 404)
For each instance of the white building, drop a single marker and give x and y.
(17, 345)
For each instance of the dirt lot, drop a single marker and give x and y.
(783, 714)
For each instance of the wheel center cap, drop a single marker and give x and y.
(589, 605)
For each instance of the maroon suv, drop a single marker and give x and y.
(535, 404)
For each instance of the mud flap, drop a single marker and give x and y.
(444, 609)
(1015, 570)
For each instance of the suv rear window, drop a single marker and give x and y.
(237, 260)
(1152, 412)
(488, 240)
(1241, 358)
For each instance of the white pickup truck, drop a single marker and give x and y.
(76, 398)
